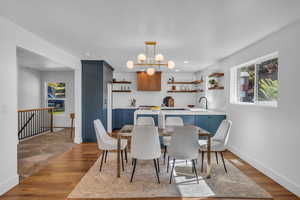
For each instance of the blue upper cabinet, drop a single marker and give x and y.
(96, 74)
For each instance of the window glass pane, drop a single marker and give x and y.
(267, 77)
(246, 77)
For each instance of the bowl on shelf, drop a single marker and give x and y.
(191, 106)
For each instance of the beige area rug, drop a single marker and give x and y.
(235, 184)
(35, 153)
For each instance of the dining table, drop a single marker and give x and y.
(126, 133)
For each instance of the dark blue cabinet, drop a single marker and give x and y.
(187, 119)
(155, 118)
(202, 121)
(209, 122)
(96, 74)
(214, 122)
(122, 117)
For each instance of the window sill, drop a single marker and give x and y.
(260, 104)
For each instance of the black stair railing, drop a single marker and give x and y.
(32, 122)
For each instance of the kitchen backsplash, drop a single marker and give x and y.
(152, 98)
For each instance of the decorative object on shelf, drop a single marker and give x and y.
(168, 101)
(173, 87)
(133, 102)
(213, 83)
(191, 106)
(151, 59)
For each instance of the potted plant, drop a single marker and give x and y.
(213, 83)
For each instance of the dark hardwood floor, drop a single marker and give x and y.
(61, 175)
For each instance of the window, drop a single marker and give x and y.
(56, 94)
(256, 82)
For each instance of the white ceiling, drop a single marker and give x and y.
(200, 31)
(32, 60)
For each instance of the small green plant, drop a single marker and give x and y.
(269, 88)
(213, 82)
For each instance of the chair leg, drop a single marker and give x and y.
(165, 153)
(202, 160)
(134, 165)
(122, 159)
(195, 170)
(156, 170)
(168, 164)
(172, 171)
(106, 152)
(126, 155)
(217, 158)
(223, 161)
(192, 167)
(102, 158)
(158, 167)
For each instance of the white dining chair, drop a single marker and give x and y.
(145, 121)
(171, 122)
(184, 146)
(107, 143)
(145, 146)
(218, 142)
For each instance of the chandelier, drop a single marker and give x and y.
(150, 59)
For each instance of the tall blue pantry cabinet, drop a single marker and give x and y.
(96, 74)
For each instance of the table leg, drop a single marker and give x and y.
(118, 157)
(208, 157)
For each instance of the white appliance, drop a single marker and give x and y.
(109, 107)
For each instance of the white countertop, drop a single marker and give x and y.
(125, 107)
(178, 112)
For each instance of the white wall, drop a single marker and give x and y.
(34, 43)
(60, 120)
(268, 138)
(11, 36)
(8, 107)
(155, 97)
(29, 88)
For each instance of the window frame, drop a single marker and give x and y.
(234, 82)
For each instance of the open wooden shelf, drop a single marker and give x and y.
(216, 75)
(121, 82)
(217, 88)
(121, 91)
(185, 91)
(185, 82)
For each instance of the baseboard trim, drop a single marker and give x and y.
(8, 184)
(280, 179)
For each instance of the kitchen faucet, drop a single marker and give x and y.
(205, 101)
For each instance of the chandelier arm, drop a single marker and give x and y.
(151, 64)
